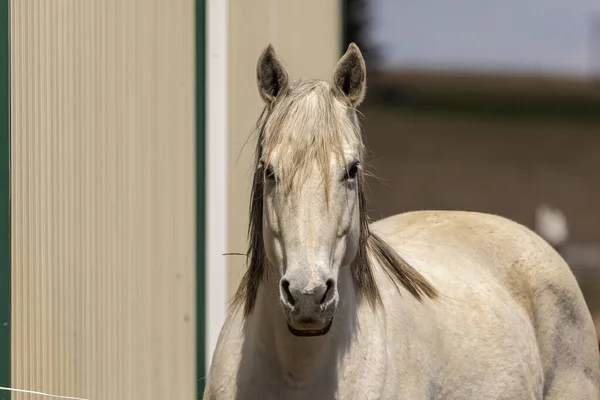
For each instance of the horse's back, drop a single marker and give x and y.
(468, 252)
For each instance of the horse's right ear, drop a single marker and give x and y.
(271, 75)
(350, 75)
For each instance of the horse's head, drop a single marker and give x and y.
(308, 218)
(309, 167)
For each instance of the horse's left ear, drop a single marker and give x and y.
(350, 75)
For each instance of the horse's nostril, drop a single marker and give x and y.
(285, 286)
(329, 285)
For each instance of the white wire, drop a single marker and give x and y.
(40, 393)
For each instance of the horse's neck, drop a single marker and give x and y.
(301, 360)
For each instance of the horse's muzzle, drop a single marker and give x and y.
(309, 311)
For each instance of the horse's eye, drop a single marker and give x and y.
(352, 171)
(269, 173)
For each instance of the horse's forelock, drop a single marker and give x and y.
(307, 123)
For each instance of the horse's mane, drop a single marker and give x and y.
(311, 119)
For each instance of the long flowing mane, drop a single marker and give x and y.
(310, 119)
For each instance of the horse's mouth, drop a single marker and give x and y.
(310, 332)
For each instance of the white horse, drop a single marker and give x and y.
(423, 305)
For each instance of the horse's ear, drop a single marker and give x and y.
(350, 75)
(271, 75)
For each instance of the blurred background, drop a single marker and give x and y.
(126, 172)
(489, 106)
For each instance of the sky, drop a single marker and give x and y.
(547, 36)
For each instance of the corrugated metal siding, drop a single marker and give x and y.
(103, 257)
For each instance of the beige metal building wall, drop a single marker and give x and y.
(307, 36)
(103, 237)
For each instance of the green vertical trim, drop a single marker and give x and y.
(4, 198)
(200, 197)
(5, 295)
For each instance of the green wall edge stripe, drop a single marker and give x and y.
(200, 197)
(5, 294)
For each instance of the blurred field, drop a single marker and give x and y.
(494, 144)
(487, 82)
(512, 96)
